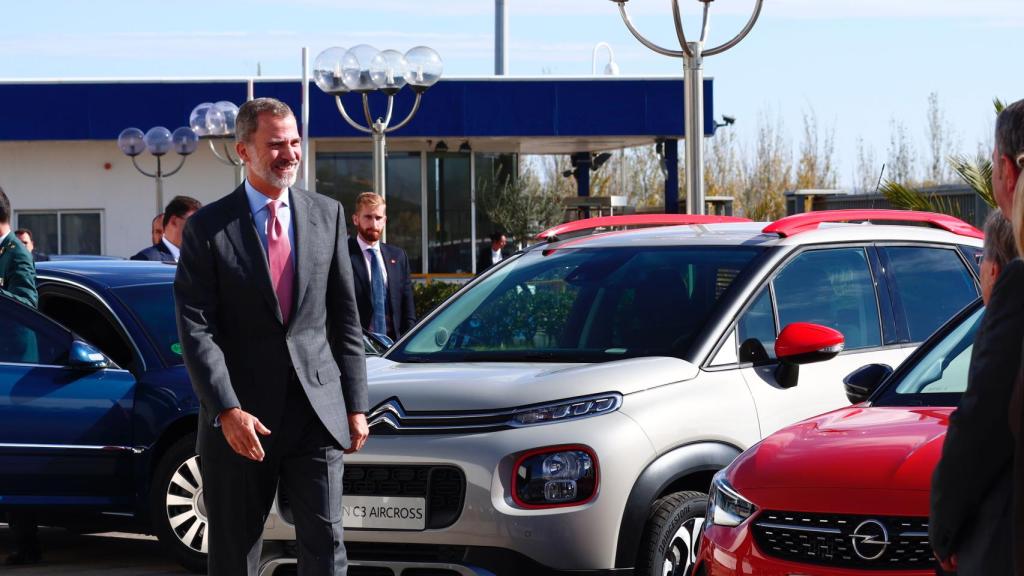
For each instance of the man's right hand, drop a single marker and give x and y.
(240, 430)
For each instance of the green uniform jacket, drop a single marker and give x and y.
(17, 272)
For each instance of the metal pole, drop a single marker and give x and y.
(378, 160)
(159, 187)
(500, 35)
(693, 104)
(304, 168)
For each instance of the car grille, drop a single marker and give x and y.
(866, 542)
(442, 486)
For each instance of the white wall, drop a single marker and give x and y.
(65, 175)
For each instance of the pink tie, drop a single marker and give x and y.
(279, 254)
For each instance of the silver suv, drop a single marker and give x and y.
(567, 410)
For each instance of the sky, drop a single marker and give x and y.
(857, 65)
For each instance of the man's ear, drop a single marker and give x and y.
(242, 152)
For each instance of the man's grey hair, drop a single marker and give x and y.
(249, 116)
(1010, 131)
(1000, 247)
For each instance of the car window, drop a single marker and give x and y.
(153, 306)
(81, 314)
(833, 288)
(940, 376)
(578, 304)
(930, 284)
(27, 337)
(756, 330)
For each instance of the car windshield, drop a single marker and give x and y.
(153, 306)
(939, 377)
(582, 305)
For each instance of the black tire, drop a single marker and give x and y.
(176, 509)
(671, 535)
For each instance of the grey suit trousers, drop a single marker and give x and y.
(239, 493)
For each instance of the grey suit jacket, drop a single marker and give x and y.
(236, 348)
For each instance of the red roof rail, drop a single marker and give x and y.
(634, 220)
(798, 223)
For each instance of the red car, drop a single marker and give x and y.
(845, 493)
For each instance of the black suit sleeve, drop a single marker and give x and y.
(343, 322)
(196, 302)
(21, 277)
(408, 303)
(978, 447)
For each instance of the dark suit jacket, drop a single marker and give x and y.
(400, 305)
(17, 271)
(970, 490)
(235, 346)
(483, 260)
(157, 253)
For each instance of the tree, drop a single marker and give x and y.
(940, 144)
(901, 165)
(816, 166)
(645, 178)
(867, 171)
(769, 173)
(525, 205)
(723, 170)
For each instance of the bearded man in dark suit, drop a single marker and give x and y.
(270, 336)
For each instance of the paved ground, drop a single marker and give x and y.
(110, 554)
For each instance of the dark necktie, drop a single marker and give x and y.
(379, 322)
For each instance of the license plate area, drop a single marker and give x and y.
(384, 512)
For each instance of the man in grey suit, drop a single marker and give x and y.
(270, 336)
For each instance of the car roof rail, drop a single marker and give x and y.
(636, 220)
(798, 223)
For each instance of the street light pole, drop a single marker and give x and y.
(158, 141)
(365, 70)
(692, 54)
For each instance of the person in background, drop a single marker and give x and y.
(493, 253)
(157, 228)
(382, 283)
(970, 524)
(25, 235)
(178, 211)
(18, 281)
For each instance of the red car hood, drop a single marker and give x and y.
(859, 448)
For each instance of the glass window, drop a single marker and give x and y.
(930, 284)
(44, 230)
(582, 305)
(153, 306)
(756, 330)
(448, 213)
(489, 169)
(833, 288)
(343, 176)
(27, 337)
(940, 376)
(79, 233)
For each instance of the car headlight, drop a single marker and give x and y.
(555, 476)
(726, 506)
(566, 409)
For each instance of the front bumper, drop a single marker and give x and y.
(726, 551)
(581, 537)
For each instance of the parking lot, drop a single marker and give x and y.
(108, 554)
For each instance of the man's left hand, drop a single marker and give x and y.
(358, 431)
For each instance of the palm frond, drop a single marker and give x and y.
(999, 104)
(977, 175)
(902, 196)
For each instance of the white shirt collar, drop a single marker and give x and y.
(4, 237)
(175, 251)
(364, 246)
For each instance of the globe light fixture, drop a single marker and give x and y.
(364, 70)
(158, 141)
(212, 121)
(692, 53)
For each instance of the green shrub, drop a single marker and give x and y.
(429, 295)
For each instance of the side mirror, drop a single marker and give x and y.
(84, 356)
(804, 343)
(380, 342)
(863, 381)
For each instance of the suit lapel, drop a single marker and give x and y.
(391, 264)
(241, 230)
(362, 275)
(305, 232)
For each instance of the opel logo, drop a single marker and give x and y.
(870, 539)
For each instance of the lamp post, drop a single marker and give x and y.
(693, 54)
(216, 121)
(611, 68)
(158, 141)
(364, 70)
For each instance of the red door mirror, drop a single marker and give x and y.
(803, 343)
